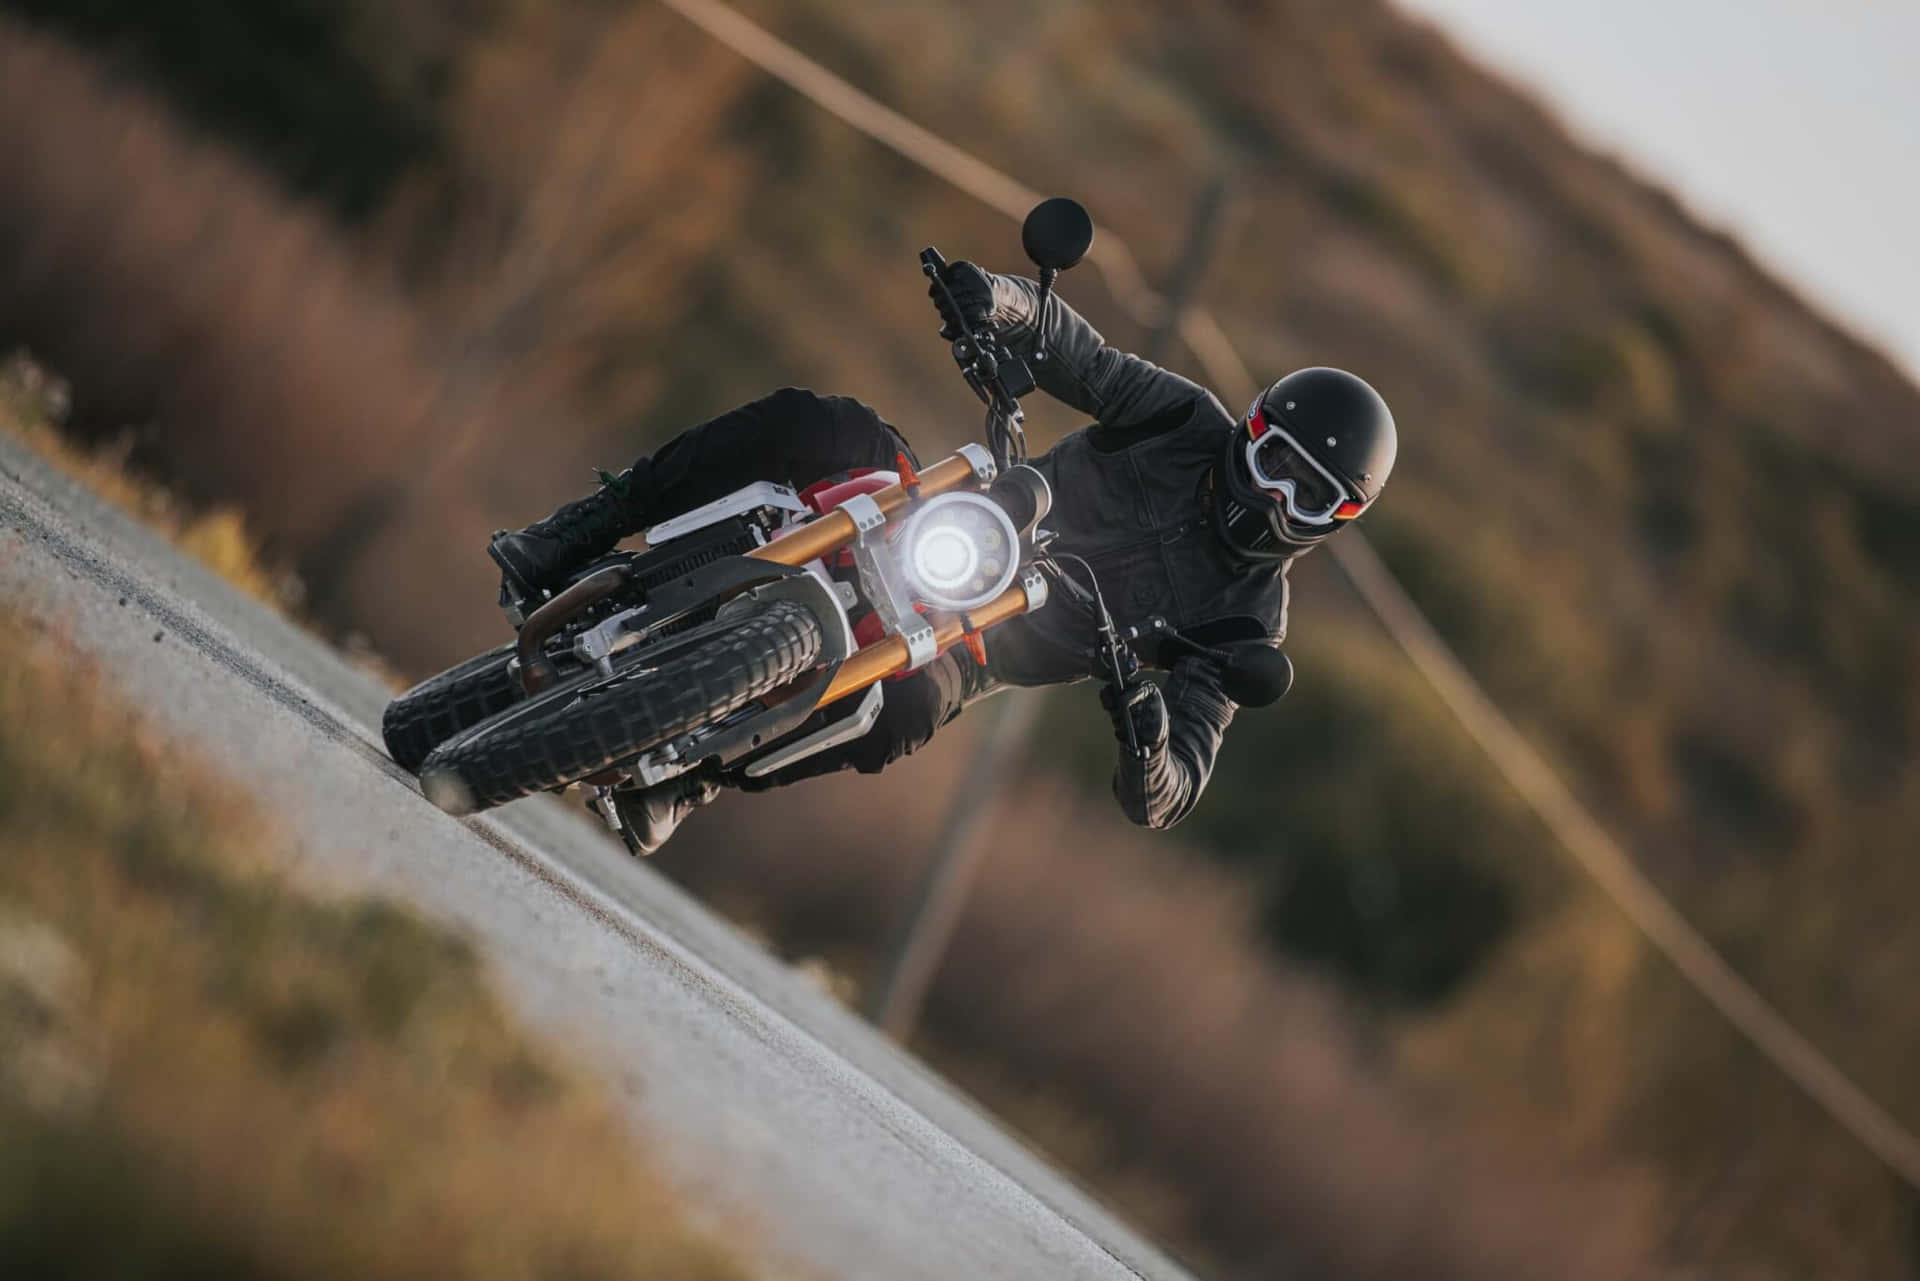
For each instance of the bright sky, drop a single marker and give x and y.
(1793, 123)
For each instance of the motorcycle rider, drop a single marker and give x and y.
(1182, 510)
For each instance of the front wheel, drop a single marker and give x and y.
(579, 729)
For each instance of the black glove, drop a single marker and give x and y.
(1138, 703)
(972, 291)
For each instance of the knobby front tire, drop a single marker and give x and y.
(580, 728)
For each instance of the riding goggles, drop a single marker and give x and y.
(1311, 494)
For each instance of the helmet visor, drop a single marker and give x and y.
(1311, 494)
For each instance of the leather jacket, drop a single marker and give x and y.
(1131, 494)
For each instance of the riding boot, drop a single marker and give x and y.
(541, 556)
(649, 817)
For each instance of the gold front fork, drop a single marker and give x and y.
(836, 530)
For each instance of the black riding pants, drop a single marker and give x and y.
(795, 437)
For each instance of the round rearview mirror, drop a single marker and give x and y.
(1057, 234)
(1257, 675)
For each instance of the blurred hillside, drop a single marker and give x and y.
(451, 253)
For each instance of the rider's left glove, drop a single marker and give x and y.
(1140, 704)
(972, 291)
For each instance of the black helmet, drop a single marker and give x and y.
(1313, 452)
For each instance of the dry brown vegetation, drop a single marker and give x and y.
(206, 1072)
(34, 402)
(255, 353)
(1697, 592)
(244, 344)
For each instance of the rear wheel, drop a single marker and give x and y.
(441, 706)
(578, 729)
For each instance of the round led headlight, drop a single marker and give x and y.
(960, 551)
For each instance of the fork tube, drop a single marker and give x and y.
(887, 657)
(836, 529)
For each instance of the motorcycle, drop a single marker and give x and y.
(760, 629)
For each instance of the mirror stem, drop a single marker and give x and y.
(1047, 276)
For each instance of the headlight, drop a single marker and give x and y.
(960, 551)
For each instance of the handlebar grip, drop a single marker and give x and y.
(931, 262)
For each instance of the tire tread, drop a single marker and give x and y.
(442, 706)
(534, 750)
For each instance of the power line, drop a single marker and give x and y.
(1526, 771)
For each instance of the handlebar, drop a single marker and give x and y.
(1253, 674)
(1161, 634)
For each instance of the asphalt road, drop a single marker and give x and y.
(759, 1095)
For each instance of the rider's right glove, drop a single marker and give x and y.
(972, 291)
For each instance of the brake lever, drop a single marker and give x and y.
(1122, 666)
(984, 360)
(934, 268)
